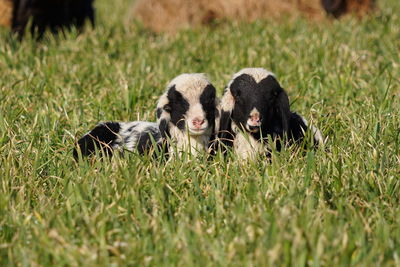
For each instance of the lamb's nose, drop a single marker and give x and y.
(255, 120)
(197, 122)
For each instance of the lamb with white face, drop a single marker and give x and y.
(186, 115)
(254, 107)
(186, 112)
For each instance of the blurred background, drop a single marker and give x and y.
(170, 15)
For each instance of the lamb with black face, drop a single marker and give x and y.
(254, 107)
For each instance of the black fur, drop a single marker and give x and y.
(177, 107)
(207, 100)
(51, 14)
(297, 127)
(147, 139)
(335, 8)
(164, 129)
(271, 101)
(267, 97)
(158, 113)
(102, 137)
(225, 133)
(110, 136)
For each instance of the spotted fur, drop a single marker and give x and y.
(108, 137)
(188, 98)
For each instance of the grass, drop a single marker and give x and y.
(324, 208)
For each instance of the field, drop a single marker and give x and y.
(338, 206)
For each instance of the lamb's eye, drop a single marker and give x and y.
(167, 108)
(236, 94)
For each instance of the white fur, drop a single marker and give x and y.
(245, 145)
(129, 139)
(227, 101)
(184, 142)
(188, 84)
(257, 73)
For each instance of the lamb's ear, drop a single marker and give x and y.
(281, 113)
(225, 132)
(163, 115)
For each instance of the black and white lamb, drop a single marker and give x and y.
(255, 107)
(186, 113)
(186, 122)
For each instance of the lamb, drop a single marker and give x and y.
(255, 107)
(187, 111)
(186, 115)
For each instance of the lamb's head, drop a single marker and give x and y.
(255, 103)
(186, 111)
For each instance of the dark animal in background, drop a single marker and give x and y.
(186, 115)
(338, 8)
(46, 14)
(255, 107)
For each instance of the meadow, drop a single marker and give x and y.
(337, 206)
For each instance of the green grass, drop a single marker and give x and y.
(335, 207)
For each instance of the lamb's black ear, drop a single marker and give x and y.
(102, 137)
(297, 127)
(164, 128)
(281, 113)
(163, 115)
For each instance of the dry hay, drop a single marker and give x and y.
(172, 15)
(6, 11)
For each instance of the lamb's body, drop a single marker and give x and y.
(254, 108)
(108, 137)
(186, 121)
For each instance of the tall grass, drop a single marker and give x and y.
(338, 206)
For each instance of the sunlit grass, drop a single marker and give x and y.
(337, 206)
